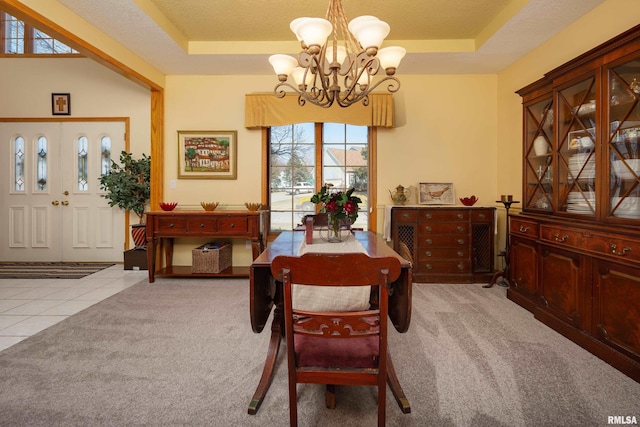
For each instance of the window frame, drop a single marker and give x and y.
(372, 178)
(29, 41)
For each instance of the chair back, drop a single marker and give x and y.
(337, 347)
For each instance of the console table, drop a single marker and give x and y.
(163, 227)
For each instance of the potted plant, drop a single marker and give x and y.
(128, 186)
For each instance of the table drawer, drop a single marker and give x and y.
(444, 267)
(443, 241)
(427, 254)
(172, 224)
(405, 215)
(232, 225)
(443, 228)
(202, 225)
(527, 228)
(443, 215)
(481, 215)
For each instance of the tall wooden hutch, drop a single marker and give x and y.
(575, 247)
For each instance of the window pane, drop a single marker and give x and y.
(13, 35)
(18, 165)
(105, 155)
(41, 162)
(83, 147)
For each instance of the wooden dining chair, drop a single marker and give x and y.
(336, 347)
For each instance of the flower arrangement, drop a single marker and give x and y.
(338, 205)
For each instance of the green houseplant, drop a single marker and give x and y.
(128, 186)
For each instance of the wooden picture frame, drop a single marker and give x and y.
(436, 193)
(207, 154)
(61, 104)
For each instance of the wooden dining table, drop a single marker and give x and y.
(266, 295)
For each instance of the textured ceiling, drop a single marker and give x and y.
(237, 36)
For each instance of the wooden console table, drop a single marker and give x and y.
(163, 227)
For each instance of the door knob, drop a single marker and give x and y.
(65, 203)
(66, 193)
(55, 203)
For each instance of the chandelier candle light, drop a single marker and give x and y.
(338, 62)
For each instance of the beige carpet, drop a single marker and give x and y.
(181, 352)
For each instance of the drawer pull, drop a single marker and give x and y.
(460, 216)
(523, 229)
(428, 253)
(428, 266)
(171, 225)
(460, 267)
(429, 241)
(614, 251)
(483, 216)
(232, 225)
(560, 239)
(428, 228)
(428, 216)
(460, 254)
(201, 225)
(405, 216)
(460, 228)
(460, 241)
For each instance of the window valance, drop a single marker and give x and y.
(262, 110)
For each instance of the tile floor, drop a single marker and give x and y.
(27, 306)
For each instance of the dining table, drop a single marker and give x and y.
(266, 295)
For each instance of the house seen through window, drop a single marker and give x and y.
(300, 165)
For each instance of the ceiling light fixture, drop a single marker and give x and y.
(338, 62)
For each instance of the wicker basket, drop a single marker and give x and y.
(211, 258)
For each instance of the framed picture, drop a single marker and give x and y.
(436, 193)
(207, 154)
(60, 104)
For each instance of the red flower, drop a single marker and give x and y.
(350, 207)
(332, 207)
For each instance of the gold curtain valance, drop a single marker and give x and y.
(262, 110)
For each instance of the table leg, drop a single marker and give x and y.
(269, 363)
(396, 388)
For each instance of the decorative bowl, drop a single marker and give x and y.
(253, 206)
(209, 206)
(468, 201)
(168, 206)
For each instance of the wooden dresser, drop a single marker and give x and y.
(575, 247)
(164, 227)
(449, 244)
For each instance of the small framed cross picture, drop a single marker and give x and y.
(61, 104)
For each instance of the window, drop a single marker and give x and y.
(19, 38)
(298, 167)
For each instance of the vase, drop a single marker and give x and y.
(332, 233)
(139, 234)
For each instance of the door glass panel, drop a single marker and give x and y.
(18, 164)
(623, 144)
(538, 155)
(41, 162)
(83, 173)
(105, 155)
(576, 156)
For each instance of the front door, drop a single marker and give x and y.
(50, 198)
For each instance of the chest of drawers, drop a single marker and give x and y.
(448, 244)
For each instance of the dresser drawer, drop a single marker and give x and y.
(478, 215)
(559, 235)
(443, 228)
(405, 215)
(444, 267)
(232, 225)
(444, 241)
(444, 215)
(172, 224)
(526, 228)
(427, 254)
(202, 225)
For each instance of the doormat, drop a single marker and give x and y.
(48, 270)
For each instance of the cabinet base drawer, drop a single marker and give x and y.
(449, 267)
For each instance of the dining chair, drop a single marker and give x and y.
(336, 347)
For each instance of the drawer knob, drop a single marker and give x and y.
(560, 239)
(460, 241)
(201, 225)
(523, 229)
(171, 225)
(429, 241)
(460, 228)
(428, 267)
(232, 225)
(460, 216)
(405, 216)
(428, 215)
(483, 216)
(614, 250)
(460, 254)
(428, 253)
(427, 228)
(460, 267)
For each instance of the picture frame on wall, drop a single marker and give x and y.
(436, 193)
(207, 154)
(61, 104)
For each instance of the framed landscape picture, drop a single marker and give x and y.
(207, 154)
(436, 193)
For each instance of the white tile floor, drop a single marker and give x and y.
(27, 306)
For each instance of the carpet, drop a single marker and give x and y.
(49, 270)
(181, 352)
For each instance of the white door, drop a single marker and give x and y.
(50, 196)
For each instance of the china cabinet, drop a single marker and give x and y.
(575, 247)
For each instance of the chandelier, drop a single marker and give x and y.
(339, 62)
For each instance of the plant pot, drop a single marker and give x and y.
(139, 234)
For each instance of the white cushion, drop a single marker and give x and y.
(325, 298)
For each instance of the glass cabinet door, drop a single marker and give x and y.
(538, 155)
(576, 155)
(623, 144)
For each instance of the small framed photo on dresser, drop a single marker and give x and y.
(61, 104)
(436, 193)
